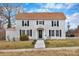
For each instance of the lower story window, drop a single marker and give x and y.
(29, 32)
(56, 33)
(22, 32)
(51, 32)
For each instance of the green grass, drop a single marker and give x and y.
(61, 43)
(16, 45)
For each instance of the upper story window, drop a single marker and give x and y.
(25, 23)
(40, 22)
(55, 23)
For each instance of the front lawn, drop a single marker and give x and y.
(61, 43)
(16, 45)
(62, 52)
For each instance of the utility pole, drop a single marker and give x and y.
(68, 32)
(68, 26)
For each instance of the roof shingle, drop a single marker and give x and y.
(44, 16)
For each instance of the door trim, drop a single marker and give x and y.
(40, 34)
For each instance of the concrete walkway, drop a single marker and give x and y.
(43, 49)
(39, 44)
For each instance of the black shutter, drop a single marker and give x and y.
(20, 32)
(49, 32)
(60, 33)
(57, 23)
(30, 32)
(22, 23)
(27, 23)
(52, 23)
(37, 22)
(43, 22)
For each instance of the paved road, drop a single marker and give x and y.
(36, 49)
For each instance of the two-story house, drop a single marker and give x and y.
(40, 25)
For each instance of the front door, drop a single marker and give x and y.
(40, 34)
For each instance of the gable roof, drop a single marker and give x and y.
(44, 16)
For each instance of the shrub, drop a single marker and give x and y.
(13, 38)
(34, 42)
(24, 37)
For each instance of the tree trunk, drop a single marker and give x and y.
(9, 22)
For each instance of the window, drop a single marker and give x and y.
(26, 23)
(22, 31)
(29, 32)
(51, 32)
(55, 23)
(57, 32)
(40, 22)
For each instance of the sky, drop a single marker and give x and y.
(71, 10)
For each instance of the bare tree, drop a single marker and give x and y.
(9, 11)
(1, 11)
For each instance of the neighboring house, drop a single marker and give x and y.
(70, 33)
(39, 26)
(76, 33)
(2, 34)
(0, 24)
(73, 32)
(2, 31)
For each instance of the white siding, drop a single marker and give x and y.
(33, 25)
(10, 34)
(47, 26)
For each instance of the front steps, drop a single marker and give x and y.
(39, 44)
